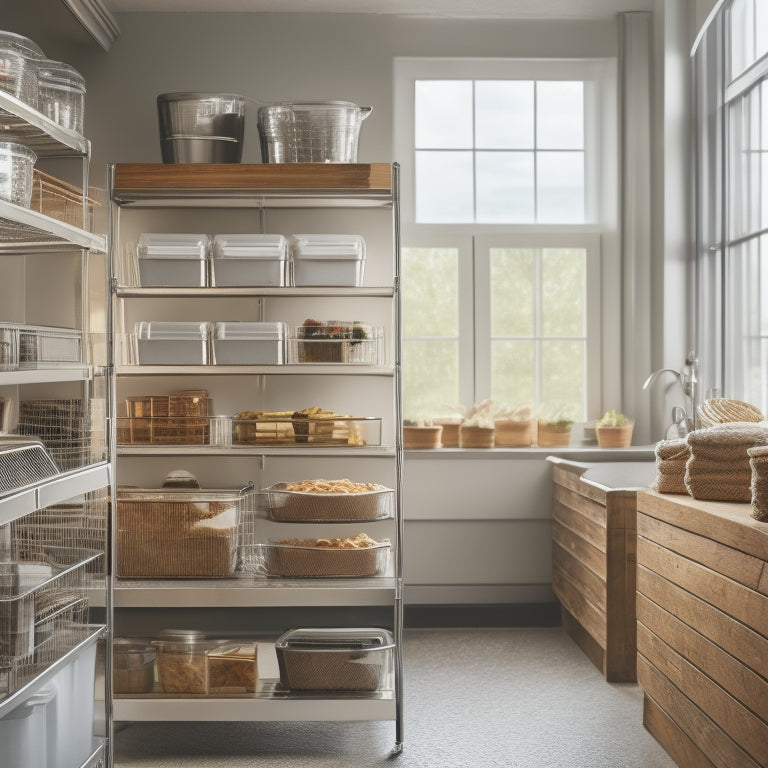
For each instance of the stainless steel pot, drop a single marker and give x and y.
(201, 149)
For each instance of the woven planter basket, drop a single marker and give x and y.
(615, 437)
(450, 436)
(514, 434)
(422, 437)
(476, 437)
(553, 435)
(758, 461)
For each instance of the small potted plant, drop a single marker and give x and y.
(614, 430)
(515, 427)
(554, 430)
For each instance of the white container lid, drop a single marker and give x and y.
(327, 246)
(153, 245)
(250, 247)
(249, 331)
(167, 331)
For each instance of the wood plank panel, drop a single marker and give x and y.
(723, 559)
(717, 745)
(732, 598)
(763, 586)
(738, 640)
(741, 682)
(242, 176)
(680, 747)
(590, 585)
(620, 610)
(569, 477)
(584, 640)
(588, 615)
(582, 526)
(729, 523)
(582, 550)
(576, 503)
(744, 728)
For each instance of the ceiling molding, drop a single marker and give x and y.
(97, 20)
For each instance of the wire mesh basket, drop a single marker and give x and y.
(23, 463)
(64, 427)
(45, 346)
(43, 615)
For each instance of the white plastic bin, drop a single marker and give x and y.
(23, 732)
(249, 260)
(172, 343)
(327, 260)
(69, 715)
(237, 343)
(173, 260)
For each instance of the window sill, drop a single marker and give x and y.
(578, 453)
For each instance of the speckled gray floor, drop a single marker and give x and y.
(478, 698)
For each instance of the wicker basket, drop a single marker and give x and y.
(671, 458)
(615, 437)
(553, 435)
(514, 434)
(298, 506)
(758, 462)
(721, 410)
(476, 437)
(323, 562)
(422, 437)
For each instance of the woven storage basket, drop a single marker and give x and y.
(671, 458)
(476, 437)
(758, 461)
(722, 410)
(422, 437)
(297, 506)
(322, 562)
(514, 434)
(450, 435)
(615, 437)
(553, 435)
(718, 468)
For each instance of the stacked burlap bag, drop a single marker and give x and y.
(718, 467)
(671, 458)
(758, 460)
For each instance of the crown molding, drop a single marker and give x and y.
(97, 20)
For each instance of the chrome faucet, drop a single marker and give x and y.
(688, 380)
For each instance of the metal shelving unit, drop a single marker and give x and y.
(24, 235)
(304, 187)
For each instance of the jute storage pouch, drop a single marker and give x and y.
(671, 457)
(758, 460)
(718, 468)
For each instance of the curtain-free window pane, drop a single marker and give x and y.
(741, 22)
(560, 187)
(444, 187)
(559, 114)
(563, 375)
(513, 372)
(513, 285)
(505, 187)
(761, 28)
(563, 291)
(504, 114)
(430, 293)
(430, 376)
(443, 114)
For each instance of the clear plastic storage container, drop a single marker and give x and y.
(133, 666)
(172, 343)
(327, 260)
(173, 260)
(336, 341)
(335, 659)
(17, 164)
(179, 532)
(243, 343)
(61, 94)
(233, 669)
(182, 660)
(249, 260)
(18, 71)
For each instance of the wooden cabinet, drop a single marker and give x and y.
(593, 564)
(702, 632)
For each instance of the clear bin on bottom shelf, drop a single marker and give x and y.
(335, 659)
